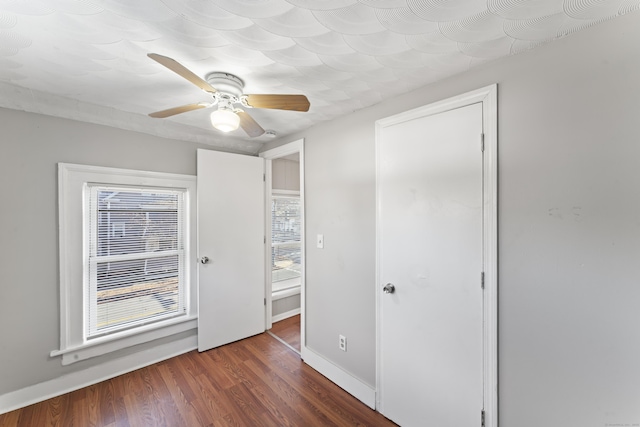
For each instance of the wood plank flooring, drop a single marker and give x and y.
(288, 330)
(254, 382)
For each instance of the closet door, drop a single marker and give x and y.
(430, 263)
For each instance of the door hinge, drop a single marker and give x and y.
(265, 301)
(482, 418)
(482, 142)
(265, 240)
(482, 280)
(264, 177)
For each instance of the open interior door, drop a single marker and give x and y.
(231, 269)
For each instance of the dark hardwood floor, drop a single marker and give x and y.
(254, 382)
(288, 330)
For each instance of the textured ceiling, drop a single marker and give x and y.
(86, 59)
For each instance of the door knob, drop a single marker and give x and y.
(204, 260)
(389, 288)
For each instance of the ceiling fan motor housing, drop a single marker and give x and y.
(226, 83)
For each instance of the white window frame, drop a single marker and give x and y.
(72, 178)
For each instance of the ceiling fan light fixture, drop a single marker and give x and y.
(225, 120)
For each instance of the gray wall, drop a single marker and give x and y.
(30, 147)
(285, 174)
(569, 228)
(284, 305)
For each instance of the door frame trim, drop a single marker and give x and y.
(270, 155)
(489, 99)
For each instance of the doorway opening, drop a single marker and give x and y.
(285, 244)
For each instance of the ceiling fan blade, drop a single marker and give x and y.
(278, 102)
(179, 110)
(250, 126)
(182, 71)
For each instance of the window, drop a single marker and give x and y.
(125, 272)
(285, 241)
(135, 277)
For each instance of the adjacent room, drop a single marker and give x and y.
(336, 212)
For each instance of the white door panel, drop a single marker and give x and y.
(430, 249)
(231, 235)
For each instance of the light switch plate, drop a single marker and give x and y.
(320, 241)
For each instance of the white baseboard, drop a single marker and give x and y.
(285, 315)
(352, 385)
(76, 380)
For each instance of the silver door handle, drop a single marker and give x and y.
(204, 260)
(389, 288)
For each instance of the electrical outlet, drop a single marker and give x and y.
(343, 343)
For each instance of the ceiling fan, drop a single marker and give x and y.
(226, 93)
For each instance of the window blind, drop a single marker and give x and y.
(285, 238)
(136, 242)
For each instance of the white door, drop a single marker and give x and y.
(430, 249)
(230, 248)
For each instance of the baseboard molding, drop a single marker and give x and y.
(285, 315)
(352, 385)
(76, 380)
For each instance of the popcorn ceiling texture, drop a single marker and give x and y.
(86, 59)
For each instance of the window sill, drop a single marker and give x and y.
(115, 342)
(283, 285)
(292, 290)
